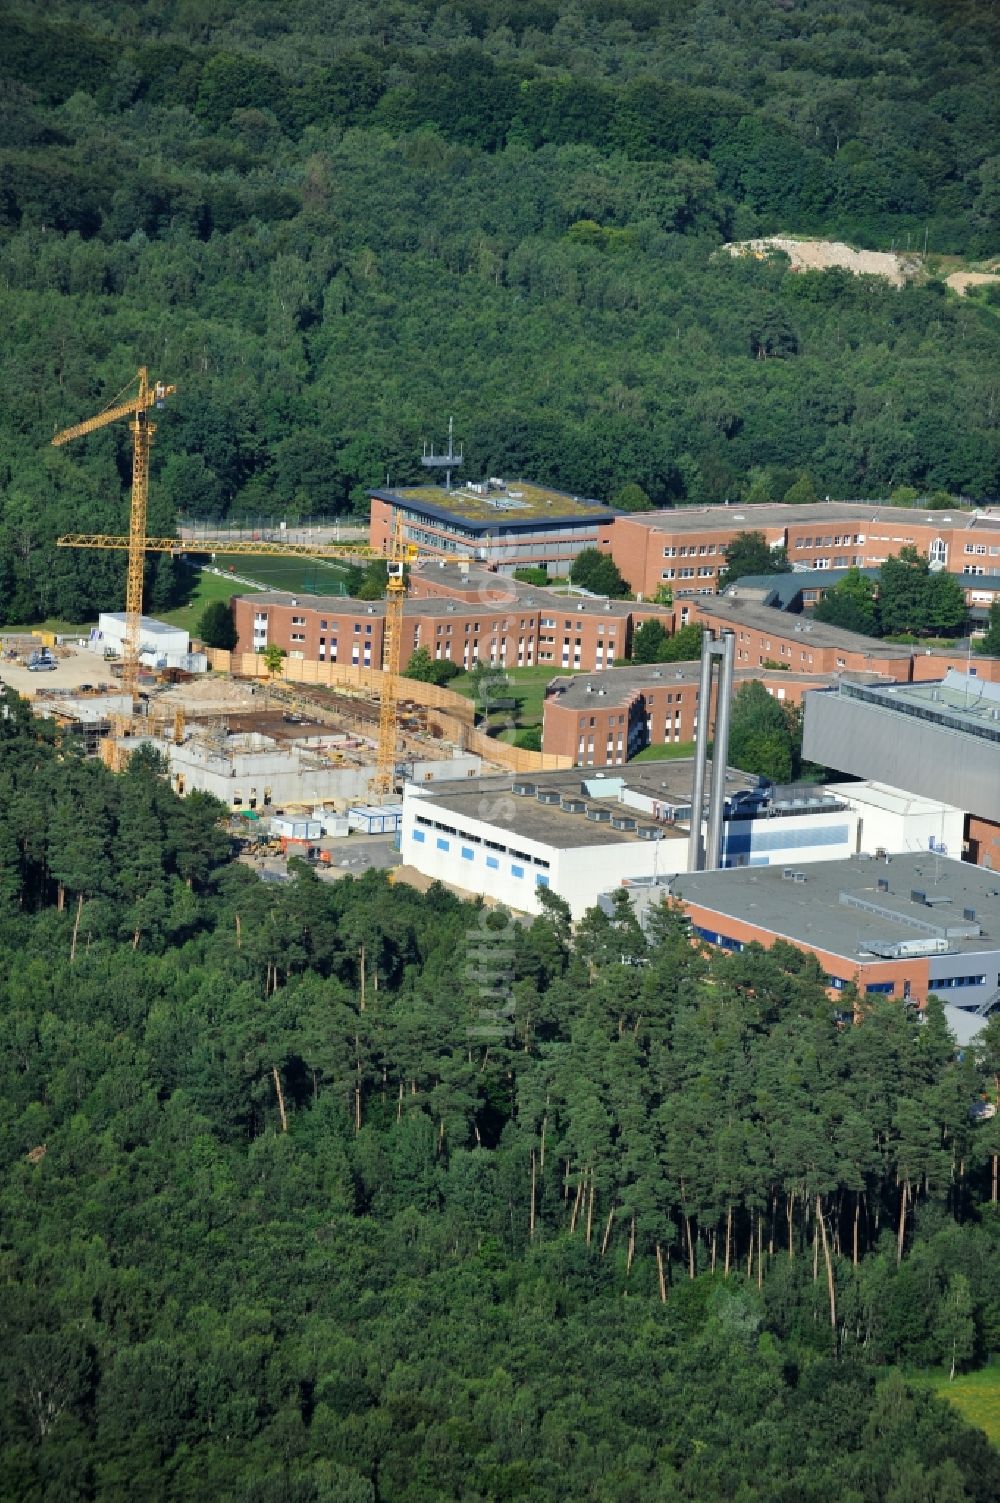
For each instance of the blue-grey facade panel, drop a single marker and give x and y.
(889, 746)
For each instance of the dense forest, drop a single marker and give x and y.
(336, 1193)
(333, 224)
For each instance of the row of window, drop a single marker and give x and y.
(493, 845)
(693, 550)
(442, 843)
(946, 983)
(836, 541)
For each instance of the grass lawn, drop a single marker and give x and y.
(665, 752)
(975, 1395)
(61, 628)
(527, 686)
(206, 588)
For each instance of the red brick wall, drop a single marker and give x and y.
(511, 632)
(927, 667)
(915, 970)
(983, 838)
(380, 526)
(638, 551)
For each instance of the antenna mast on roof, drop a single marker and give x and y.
(446, 462)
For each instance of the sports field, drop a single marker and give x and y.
(307, 576)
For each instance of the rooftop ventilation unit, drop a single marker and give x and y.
(547, 796)
(572, 805)
(917, 896)
(648, 832)
(799, 877)
(883, 884)
(969, 914)
(900, 949)
(622, 822)
(524, 790)
(598, 815)
(787, 874)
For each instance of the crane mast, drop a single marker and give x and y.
(385, 766)
(137, 408)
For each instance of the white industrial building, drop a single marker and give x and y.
(160, 646)
(891, 820)
(505, 839)
(583, 834)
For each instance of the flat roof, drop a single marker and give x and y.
(778, 515)
(768, 618)
(839, 907)
(618, 685)
(957, 702)
(485, 507)
(787, 586)
(566, 606)
(469, 576)
(891, 800)
(492, 801)
(148, 624)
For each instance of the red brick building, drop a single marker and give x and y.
(892, 929)
(602, 721)
(686, 548)
(502, 525)
(526, 628)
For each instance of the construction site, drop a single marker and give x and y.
(298, 767)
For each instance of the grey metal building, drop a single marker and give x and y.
(937, 739)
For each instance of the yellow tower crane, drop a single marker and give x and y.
(400, 554)
(137, 407)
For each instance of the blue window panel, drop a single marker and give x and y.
(836, 983)
(443, 845)
(712, 938)
(516, 871)
(880, 988)
(493, 863)
(468, 854)
(418, 835)
(541, 880)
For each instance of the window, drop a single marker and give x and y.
(298, 620)
(419, 836)
(516, 871)
(298, 636)
(468, 854)
(541, 880)
(880, 988)
(442, 844)
(493, 863)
